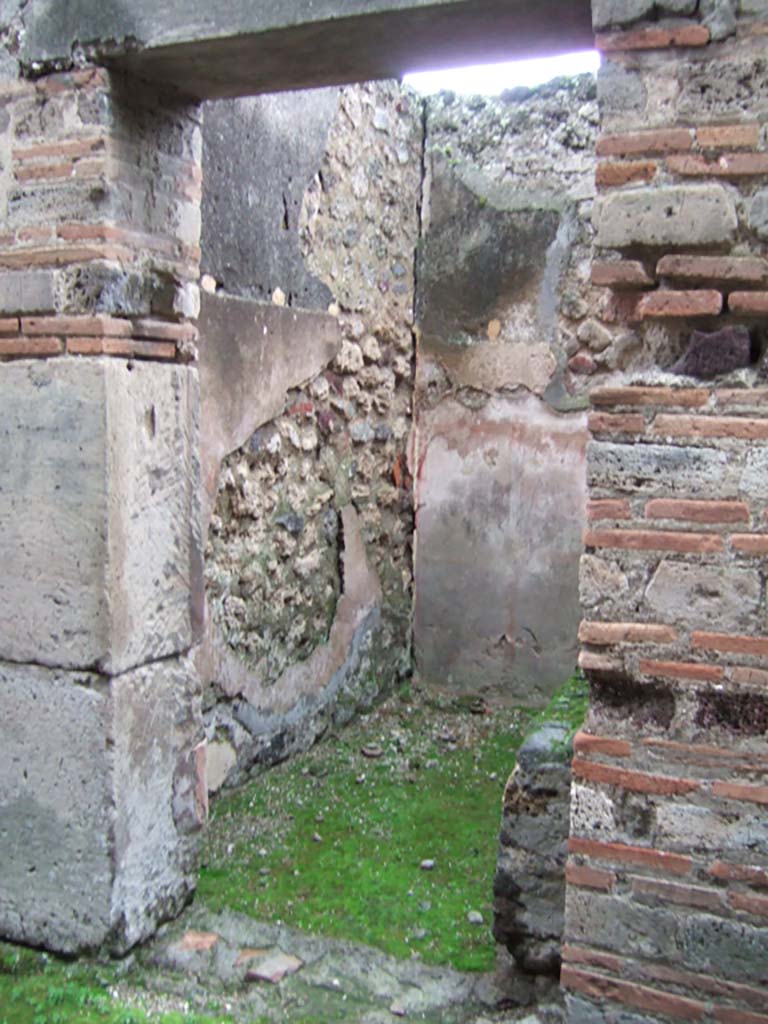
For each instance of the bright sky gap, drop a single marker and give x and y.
(492, 79)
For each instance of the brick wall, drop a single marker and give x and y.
(667, 910)
(99, 219)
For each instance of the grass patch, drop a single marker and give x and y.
(37, 988)
(332, 842)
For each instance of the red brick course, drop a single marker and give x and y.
(728, 397)
(663, 140)
(738, 428)
(31, 347)
(614, 175)
(747, 676)
(732, 1015)
(683, 895)
(748, 302)
(727, 165)
(589, 878)
(640, 997)
(607, 508)
(751, 646)
(636, 782)
(688, 398)
(749, 903)
(697, 983)
(53, 172)
(749, 270)
(740, 873)
(595, 958)
(728, 136)
(622, 853)
(105, 326)
(627, 274)
(127, 347)
(653, 38)
(66, 148)
(655, 540)
(162, 330)
(741, 791)
(590, 661)
(664, 303)
(681, 670)
(20, 259)
(616, 423)
(607, 633)
(750, 543)
(586, 743)
(698, 511)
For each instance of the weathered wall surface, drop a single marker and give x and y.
(666, 908)
(504, 339)
(309, 556)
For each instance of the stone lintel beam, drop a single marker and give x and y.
(242, 48)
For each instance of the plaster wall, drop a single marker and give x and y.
(504, 338)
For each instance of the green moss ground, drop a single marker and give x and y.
(36, 988)
(332, 842)
(434, 793)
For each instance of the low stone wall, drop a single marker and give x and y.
(529, 884)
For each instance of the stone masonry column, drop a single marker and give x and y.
(101, 755)
(667, 905)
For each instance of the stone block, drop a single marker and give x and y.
(757, 213)
(102, 559)
(696, 595)
(159, 795)
(726, 88)
(619, 12)
(726, 949)
(583, 1011)
(661, 469)
(754, 478)
(623, 12)
(624, 928)
(91, 852)
(719, 16)
(620, 89)
(593, 812)
(675, 215)
(55, 809)
(710, 354)
(27, 291)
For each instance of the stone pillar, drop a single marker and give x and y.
(666, 905)
(101, 757)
